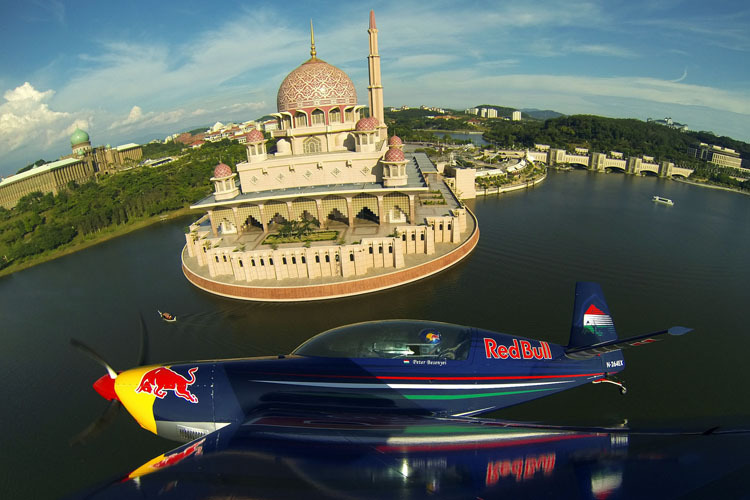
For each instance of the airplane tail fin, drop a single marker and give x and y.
(592, 323)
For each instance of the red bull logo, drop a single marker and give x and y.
(161, 380)
(194, 449)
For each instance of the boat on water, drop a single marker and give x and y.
(169, 318)
(661, 199)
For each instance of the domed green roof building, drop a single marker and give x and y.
(78, 137)
(79, 141)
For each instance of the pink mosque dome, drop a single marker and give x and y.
(255, 135)
(315, 83)
(222, 170)
(367, 124)
(394, 154)
(395, 141)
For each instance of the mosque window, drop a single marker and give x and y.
(318, 117)
(294, 260)
(337, 257)
(421, 236)
(252, 262)
(217, 258)
(311, 145)
(334, 116)
(390, 249)
(413, 237)
(240, 262)
(380, 249)
(283, 260)
(270, 261)
(403, 237)
(349, 114)
(370, 250)
(317, 259)
(328, 258)
(262, 263)
(225, 258)
(304, 260)
(300, 120)
(351, 257)
(449, 226)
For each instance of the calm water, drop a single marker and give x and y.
(475, 138)
(659, 266)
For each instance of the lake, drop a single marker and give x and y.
(659, 266)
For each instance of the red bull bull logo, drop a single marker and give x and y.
(161, 380)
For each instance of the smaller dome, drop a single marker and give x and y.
(367, 124)
(255, 135)
(394, 154)
(78, 137)
(395, 141)
(222, 170)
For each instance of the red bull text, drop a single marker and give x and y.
(522, 350)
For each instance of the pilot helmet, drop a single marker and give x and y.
(430, 336)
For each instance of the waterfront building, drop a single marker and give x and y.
(334, 167)
(724, 157)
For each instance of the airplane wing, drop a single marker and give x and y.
(292, 455)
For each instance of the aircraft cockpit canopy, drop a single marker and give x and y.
(391, 339)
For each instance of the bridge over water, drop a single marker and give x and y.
(601, 162)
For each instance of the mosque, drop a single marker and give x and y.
(394, 218)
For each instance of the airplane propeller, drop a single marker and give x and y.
(105, 386)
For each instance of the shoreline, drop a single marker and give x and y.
(712, 186)
(105, 236)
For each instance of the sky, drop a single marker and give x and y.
(136, 71)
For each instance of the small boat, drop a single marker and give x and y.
(169, 318)
(661, 199)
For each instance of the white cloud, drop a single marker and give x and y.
(25, 117)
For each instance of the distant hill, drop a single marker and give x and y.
(541, 114)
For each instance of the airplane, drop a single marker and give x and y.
(372, 376)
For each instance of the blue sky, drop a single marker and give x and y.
(133, 71)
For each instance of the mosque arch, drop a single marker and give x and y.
(300, 119)
(276, 212)
(312, 145)
(304, 209)
(365, 207)
(335, 208)
(396, 206)
(349, 114)
(286, 122)
(249, 216)
(318, 117)
(334, 115)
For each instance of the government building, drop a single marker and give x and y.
(395, 218)
(80, 166)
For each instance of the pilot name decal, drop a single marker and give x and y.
(517, 350)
